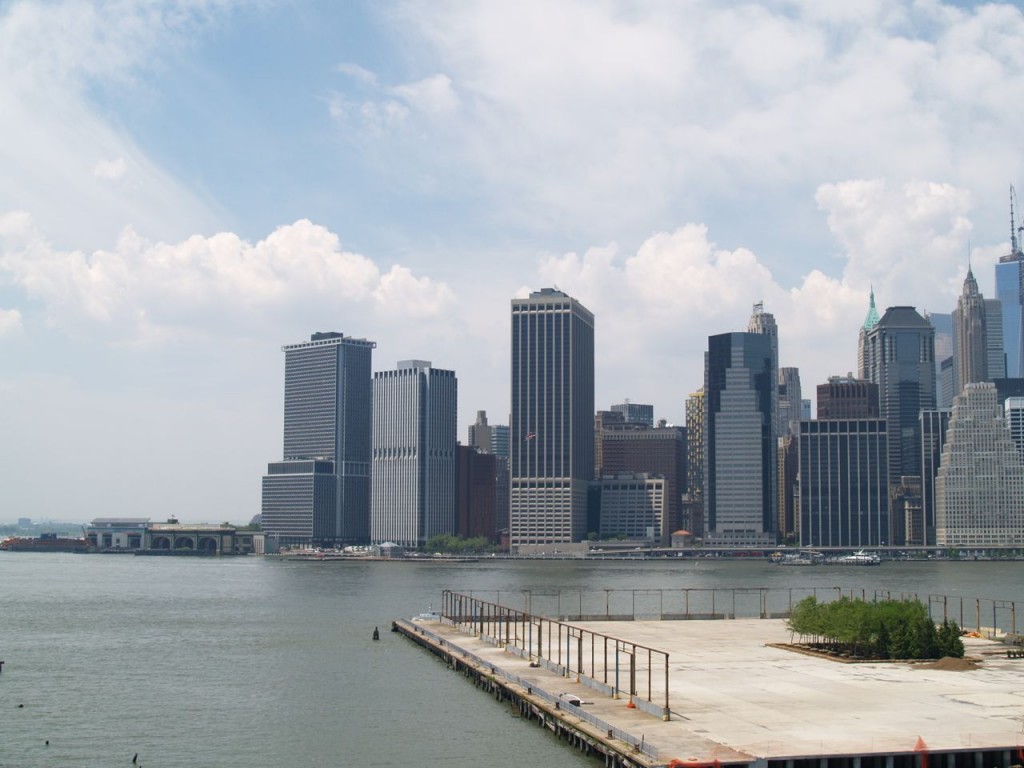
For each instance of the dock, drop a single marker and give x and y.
(730, 692)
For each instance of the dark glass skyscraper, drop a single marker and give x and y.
(899, 356)
(739, 439)
(320, 492)
(552, 418)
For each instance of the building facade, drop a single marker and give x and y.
(415, 466)
(632, 505)
(477, 494)
(977, 337)
(320, 491)
(844, 397)
(739, 440)
(635, 413)
(844, 486)
(552, 418)
(790, 402)
(979, 490)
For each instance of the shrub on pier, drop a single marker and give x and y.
(884, 629)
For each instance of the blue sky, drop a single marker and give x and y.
(189, 185)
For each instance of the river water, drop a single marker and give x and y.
(255, 662)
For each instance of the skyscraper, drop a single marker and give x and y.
(1010, 291)
(870, 321)
(844, 397)
(414, 458)
(788, 421)
(488, 438)
(552, 418)
(320, 492)
(739, 443)
(977, 337)
(844, 487)
(899, 356)
(979, 491)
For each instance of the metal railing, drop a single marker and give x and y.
(623, 666)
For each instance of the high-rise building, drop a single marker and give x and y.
(657, 452)
(320, 491)
(488, 438)
(414, 454)
(635, 413)
(899, 356)
(933, 436)
(845, 397)
(552, 419)
(789, 402)
(764, 323)
(979, 491)
(977, 337)
(1010, 292)
(942, 322)
(477, 494)
(739, 440)
(870, 321)
(844, 486)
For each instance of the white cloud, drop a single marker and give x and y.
(432, 95)
(141, 290)
(10, 321)
(110, 169)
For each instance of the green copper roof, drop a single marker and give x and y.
(872, 319)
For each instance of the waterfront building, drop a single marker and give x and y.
(898, 355)
(552, 418)
(762, 322)
(845, 397)
(117, 533)
(635, 413)
(695, 443)
(414, 494)
(979, 491)
(739, 440)
(633, 505)
(477, 494)
(844, 485)
(790, 402)
(977, 337)
(656, 451)
(933, 436)
(320, 491)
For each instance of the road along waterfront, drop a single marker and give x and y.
(252, 662)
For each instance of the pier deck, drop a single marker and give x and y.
(736, 699)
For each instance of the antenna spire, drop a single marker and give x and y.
(1013, 229)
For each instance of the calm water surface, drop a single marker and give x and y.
(253, 662)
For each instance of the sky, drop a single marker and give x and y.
(186, 186)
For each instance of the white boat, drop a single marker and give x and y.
(860, 557)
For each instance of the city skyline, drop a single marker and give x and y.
(189, 185)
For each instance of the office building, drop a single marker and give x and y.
(552, 419)
(1010, 293)
(933, 436)
(739, 440)
(635, 413)
(979, 491)
(320, 491)
(477, 494)
(870, 321)
(788, 468)
(942, 322)
(656, 452)
(415, 465)
(1013, 412)
(844, 487)
(488, 438)
(898, 355)
(977, 337)
(845, 397)
(633, 506)
(790, 402)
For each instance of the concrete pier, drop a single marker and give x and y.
(737, 699)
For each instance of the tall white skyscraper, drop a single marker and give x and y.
(414, 454)
(552, 419)
(979, 490)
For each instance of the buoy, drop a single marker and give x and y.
(376, 633)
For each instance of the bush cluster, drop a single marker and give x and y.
(885, 629)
